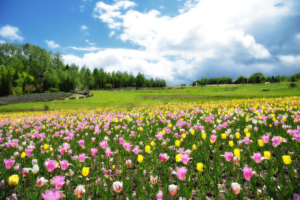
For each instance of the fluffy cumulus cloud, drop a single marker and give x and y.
(207, 38)
(10, 33)
(51, 44)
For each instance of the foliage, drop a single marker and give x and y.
(17, 90)
(108, 86)
(53, 90)
(30, 88)
(240, 79)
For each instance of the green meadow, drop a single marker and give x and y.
(133, 98)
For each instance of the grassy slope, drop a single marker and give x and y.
(134, 98)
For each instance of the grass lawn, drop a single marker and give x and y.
(148, 97)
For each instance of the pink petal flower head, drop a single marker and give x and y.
(103, 144)
(108, 152)
(8, 163)
(136, 150)
(50, 165)
(70, 152)
(58, 181)
(81, 142)
(94, 151)
(163, 157)
(185, 159)
(247, 140)
(180, 151)
(64, 164)
(228, 156)
(296, 197)
(132, 133)
(247, 172)
(213, 138)
(159, 195)
(52, 195)
(181, 171)
(265, 139)
(159, 136)
(82, 157)
(257, 157)
(28, 152)
(127, 146)
(276, 141)
(121, 140)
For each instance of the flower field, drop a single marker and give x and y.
(214, 150)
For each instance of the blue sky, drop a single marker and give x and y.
(179, 41)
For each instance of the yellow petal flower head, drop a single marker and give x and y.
(260, 142)
(203, 136)
(46, 146)
(140, 158)
(147, 149)
(223, 136)
(85, 171)
(237, 153)
(200, 167)
(178, 156)
(13, 180)
(237, 135)
(231, 143)
(23, 155)
(194, 147)
(177, 143)
(267, 154)
(287, 160)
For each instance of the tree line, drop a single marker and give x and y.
(26, 68)
(257, 77)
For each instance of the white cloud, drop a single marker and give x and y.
(111, 33)
(51, 44)
(83, 27)
(162, 7)
(182, 45)
(85, 48)
(2, 41)
(90, 43)
(298, 36)
(10, 33)
(81, 8)
(290, 59)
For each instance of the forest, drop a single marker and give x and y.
(26, 68)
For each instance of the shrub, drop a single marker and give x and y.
(17, 90)
(53, 90)
(46, 91)
(108, 86)
(30, 88)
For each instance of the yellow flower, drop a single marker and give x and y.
(192, 132)
(13, 180)
(287, 160)
(280, 138)
(51, 149)
(178, 156)
(237, 135)
(152, 143)
(231, 143)
(170, 125)
(267, 154)
(140, 158)
(203, 136)
(200, 167)
(181, 140)
(260, 142)
(248, 134)
(23, 155)
(113, 167)
(184, 136)
(177, 143)
(163, 132)
(270, 125)
(194, 147)
(46, 146)
(147, 149)
(223, 136)
(85, 171)
(245, 130)
(236, 152)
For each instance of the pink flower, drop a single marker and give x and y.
(176, 135)
(213, 138)
(163, 157)
(132, 133)
(121, 140)
(228, 156)
(247, 140)
(70, 152)
(58, 181)
(276, 141)
(265, 139)
(257, 157)
(28, 152)
(180, 151)
(136, 150)
(64, 164)
(50, 165)
(81, 142)
(172, 189)
(127, 146)
(82, 157)
(160, 136)
(185, 159)
(103, 144)
(52, 195)
(41, 181)
(108, 152)
(247, 172)
(181, 171)
(8, 163)
(159, 195)
(236, 188)
(94, 151)
(296, 197)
